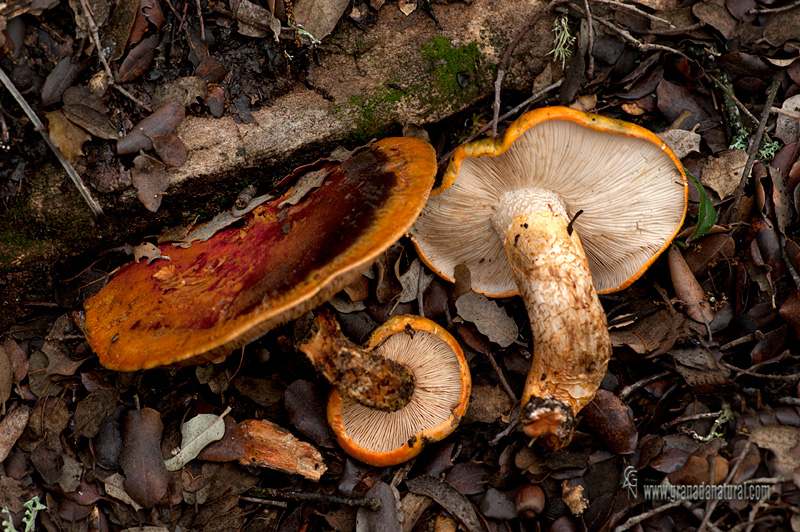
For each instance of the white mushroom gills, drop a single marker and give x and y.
(437, 390)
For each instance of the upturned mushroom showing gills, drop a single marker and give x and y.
(562, 206)
(442, 386)
(284, 258)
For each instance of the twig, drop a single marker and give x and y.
(758, 335)
(698, 513)
(636, 519)
(496, 107)
(590, 38)
(502, 378)
(502, 65)
(634, 9)
(676, 31)
(628, 390)
(512, 112)
(367, 502)
(730, 94)
(99, 47)
(788, 262)
(73, 175)
(712, 504)
(279, 504)
(637, 43)
(790, 378)
(693, 417)
(421, 290)
(766, 10)
(752, 150)
(203, 24)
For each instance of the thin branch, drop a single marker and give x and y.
(590, 38)
(637, 43)
(766, 10)
(636, 519)
(372, 503)
(73, 175)
(634, 9)
(733, 470)
(502, 65)
(752, 150)
(203, 24)
(730, 94)
(99, 47)
(510, 113)
(502, 378)
(628, 390)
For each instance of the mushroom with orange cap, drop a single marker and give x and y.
(287, 256)
(562, 206)
(440, 396)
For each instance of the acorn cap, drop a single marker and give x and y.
(442, 385)
(283, 260)
(628, 184)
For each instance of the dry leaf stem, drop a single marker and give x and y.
(502, 65)
(87, 12)
(752, 150)
(366, 502)
(71, 172)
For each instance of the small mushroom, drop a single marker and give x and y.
(562, 206)
(442, 385)
(288, 256)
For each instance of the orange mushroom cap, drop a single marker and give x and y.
(441, 395)
(284, 260)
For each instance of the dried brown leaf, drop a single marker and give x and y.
(449, 498)
(715, 15)
(58, 80)
(149, 251)
(6, 378)
(688, 289)
(138, 60)
(162, 122)
(18, 359)
(681, 142)
(612, 421)
(469, 478)
(724, 172)
(790, 311)
(68, 137)
(699, 367)
(308, 413)
(319, 17)
(93, 121)
(185, 91)
(703, 254)
(146, 477)
(11, 427)
(150, 179)
(782, 441)
(115, 34)
(171, 149)
(386, 518)
(487, 404)
(92, 411)
(490, 319)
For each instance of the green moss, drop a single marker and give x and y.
(454, 76)
(449, 63)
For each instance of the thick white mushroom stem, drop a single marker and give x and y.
(571, 346)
